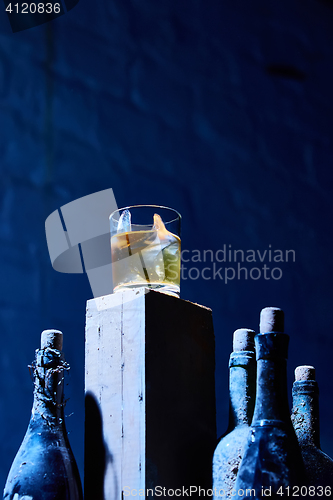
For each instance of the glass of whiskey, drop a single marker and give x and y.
(145, 248)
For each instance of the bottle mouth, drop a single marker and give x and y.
(306, 387)
(271, 345)
(50, 359)
(242, 358)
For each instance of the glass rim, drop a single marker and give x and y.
(178, 217)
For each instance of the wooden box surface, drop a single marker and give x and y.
(150, 395)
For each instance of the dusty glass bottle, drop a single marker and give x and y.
(272, 463)
(305, 419)
(242, 385)
(44, 467)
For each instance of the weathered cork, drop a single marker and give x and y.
(271, 320)
(52, 339)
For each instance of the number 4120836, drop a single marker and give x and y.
(33, 8)
(305, 491)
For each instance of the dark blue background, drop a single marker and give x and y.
(221, 109)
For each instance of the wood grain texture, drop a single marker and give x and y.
(150, 394)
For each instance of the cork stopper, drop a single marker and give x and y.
(305, 372)
(52, 339)
(271, 320)
(243, 340)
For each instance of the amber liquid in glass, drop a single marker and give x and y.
(148, 258)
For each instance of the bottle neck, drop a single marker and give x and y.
(272, 392)
(242, 376)
(305, 412)
(48, 405)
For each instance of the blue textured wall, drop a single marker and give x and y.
(221, 109)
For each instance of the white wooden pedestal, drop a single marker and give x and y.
(150, 395)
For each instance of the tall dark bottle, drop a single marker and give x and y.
(44, 467)
(242, 385)
(305, 419)
(272, 463)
